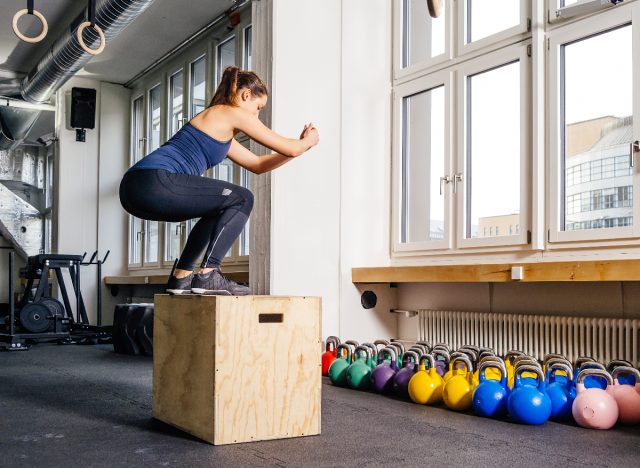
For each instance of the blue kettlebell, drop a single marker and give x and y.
(490, 396)
(561, 390)
(529, 404)
(528, 378)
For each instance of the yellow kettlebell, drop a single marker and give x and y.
(458, 390)
(509, 363)
(425, 387)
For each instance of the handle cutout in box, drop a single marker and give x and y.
(269, 318)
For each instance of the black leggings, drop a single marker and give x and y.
(223, 209)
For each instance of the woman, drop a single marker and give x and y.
(167, 185)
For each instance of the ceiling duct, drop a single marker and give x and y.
(66, 57)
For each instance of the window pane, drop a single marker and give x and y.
(135, 227)
(423, 36)
(151, 242)
(493, 151)
(247, 48)
(138, 130)
(176, 95)
(154, 118)
(488, 17)
(597, 127)
(226, 56)
(172, 241)
(422, 166)
(197, 87)
(245, 179)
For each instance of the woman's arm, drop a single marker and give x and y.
(256, 130)
(256, 164)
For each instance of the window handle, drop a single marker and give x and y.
(456, 178)
(635, 148)
(444, 180)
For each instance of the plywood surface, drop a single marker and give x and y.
(183, 336)
(268, 375)
(601, 270)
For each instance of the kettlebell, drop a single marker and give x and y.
(626, 379)
(399, 347)
(490, 396)
(426, 344)
(338, 369)
(359, 371)
(594, 407)
(442, 358)
(491, 373)
(425, 387)
(509, 360)
(529, 404)
(330, 353)
(560, 388)
(528, 377)
(382, 375)
(627, 396)
(403, 376)
(458, 390)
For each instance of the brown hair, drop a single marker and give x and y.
(234, 79)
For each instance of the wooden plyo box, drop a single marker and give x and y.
(232, 369)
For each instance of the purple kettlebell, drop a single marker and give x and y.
(382, 374)
(402, 377)
(442, 358)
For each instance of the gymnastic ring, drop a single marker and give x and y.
(81, 41)
(33, 40)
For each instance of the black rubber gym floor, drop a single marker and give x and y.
(87, 406)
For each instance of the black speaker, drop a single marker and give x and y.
(83, 108)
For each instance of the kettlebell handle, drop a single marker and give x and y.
(464, 359)
(390, 351)
(625, 370)
(366, 349)
(581, 360)
(550, 356)
(599, 372)
(339, 349)
(529, 368)
(427, 357)
(399, 344)
(556, 366)
(495, 365)
(617, 363)
(441, 352)
(409, 354)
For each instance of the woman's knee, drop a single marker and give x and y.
(245, 199)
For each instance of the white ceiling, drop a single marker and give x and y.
(162, 26)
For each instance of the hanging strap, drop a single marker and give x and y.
(92, 12)
(30, 7)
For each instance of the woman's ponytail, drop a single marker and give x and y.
(233, 79)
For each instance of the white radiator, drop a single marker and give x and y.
(600, 338)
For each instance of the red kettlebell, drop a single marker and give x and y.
(594, 407)
(330, 354)
(627, 395)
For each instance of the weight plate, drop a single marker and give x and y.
(56, 308)
(33, 317)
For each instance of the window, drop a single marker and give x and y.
(247, 48)
(423, 164)
(137, 151)
(593, 128)
(154, 117)
(424, 37)
(197, 93)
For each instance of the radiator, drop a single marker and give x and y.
(600, 338)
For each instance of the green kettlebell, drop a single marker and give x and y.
(372, 361)
(338, 369)
(359, 372)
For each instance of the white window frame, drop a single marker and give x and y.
(568, 33)
(136, 237)
(147, 149)
(426, 83)
(398, 43)
(498, 39)
(487, 62)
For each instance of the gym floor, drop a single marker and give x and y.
(87, 406)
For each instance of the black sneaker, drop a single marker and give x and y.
(179, 285)
(215, 283)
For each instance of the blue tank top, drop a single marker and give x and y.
(189, 151)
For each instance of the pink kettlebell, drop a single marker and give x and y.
(595, 408)
(627, 396)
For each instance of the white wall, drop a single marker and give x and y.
(332, 66)
(89, 212)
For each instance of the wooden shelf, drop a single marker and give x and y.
(600, 270)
